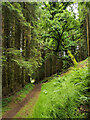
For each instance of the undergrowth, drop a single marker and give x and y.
(62, 96)
(20, 95)
(5, 102)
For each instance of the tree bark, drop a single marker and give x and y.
(87, 23)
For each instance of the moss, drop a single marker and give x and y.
(72, 58)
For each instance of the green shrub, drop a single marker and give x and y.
(5, 101)
(61, 97)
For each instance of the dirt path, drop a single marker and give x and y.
(31, 95)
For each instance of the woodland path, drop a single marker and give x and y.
(32, 96)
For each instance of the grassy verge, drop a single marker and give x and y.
(26, 111)
(5, 104)
(62, 96)
(20, 95)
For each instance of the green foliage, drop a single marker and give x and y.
(21, 42)
(83, 10)
(60, 31)
(72, 57)
(34, 33)
(61, 97)
(22, 93)
(62, 25)
(17, 10)
(5, 101)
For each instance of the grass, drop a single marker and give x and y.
(20, 95)
(62, 96)
(22, 113)
(49, 78)
(26, 111)
(5, 102)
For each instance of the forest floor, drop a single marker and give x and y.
(28, 101)
(24, 108)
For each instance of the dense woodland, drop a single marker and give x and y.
(45, 50)
(41, 39)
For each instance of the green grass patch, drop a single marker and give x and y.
(84, 62)
(5, 102)
(61, 97)
(25, 111)
(49, 78)
(20, 95)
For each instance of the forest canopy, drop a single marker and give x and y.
(40, 39)
(45, 53)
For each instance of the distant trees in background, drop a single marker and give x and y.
(84, 18)
(36, 40)
(21, 55)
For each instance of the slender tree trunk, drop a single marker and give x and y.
(80, 51)
(87, 23)
(28, 39)
(23, 77)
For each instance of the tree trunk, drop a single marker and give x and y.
(87, 23)
(72, 57)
